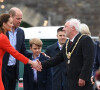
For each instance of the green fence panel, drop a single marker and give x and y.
(46, 42)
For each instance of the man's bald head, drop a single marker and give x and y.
(14, 10)
(16, 15)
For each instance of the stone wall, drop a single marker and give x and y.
(60, 10)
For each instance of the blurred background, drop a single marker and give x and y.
(55, 12)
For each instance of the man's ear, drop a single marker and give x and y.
(73, 28)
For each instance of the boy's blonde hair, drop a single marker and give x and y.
(35, 41)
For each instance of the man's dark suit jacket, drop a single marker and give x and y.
(96, 63)
(20, 47)
(59, 72)
(80, 65)
(44, 78)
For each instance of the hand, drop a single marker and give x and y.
(36, 65)
(97, 84)
(81, 82)
(92, 81)
(45, 54)
(98, 87)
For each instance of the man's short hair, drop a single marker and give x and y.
(12, 12)
(35, 41)
(60, 29)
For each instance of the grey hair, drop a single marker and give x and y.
(74, 22)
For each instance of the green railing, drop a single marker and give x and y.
(46, 42)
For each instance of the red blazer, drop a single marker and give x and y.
(5, 46)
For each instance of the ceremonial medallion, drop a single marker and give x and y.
(69, 54)
(68, 62)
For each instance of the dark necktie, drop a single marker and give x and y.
(71, 42)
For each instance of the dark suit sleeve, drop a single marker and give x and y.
(49, 80)
(88, 57)
(50, 51)
(96, 63)
(25, 78)
(47, 51)
(23, 48)
(53, 61)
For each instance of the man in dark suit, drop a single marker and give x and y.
(10, 67)
(34, 80)
(96, 63)
(79, 56)
(59, 73)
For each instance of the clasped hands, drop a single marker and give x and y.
(81, 82)
(35, 65)
(95, 81)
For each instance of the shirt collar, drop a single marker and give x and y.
(36, 57)
(60, 46)
(15, 30)
(74, 37)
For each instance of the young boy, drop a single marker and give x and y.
(32, 79)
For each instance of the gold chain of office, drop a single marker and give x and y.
(68, 54)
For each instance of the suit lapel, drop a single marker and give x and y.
(31, 72)
(75, 40)
(17, 41)
(40, 59)
(17, 37)
(7, 34)
(70, 47)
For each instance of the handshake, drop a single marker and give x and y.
(35, 65)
